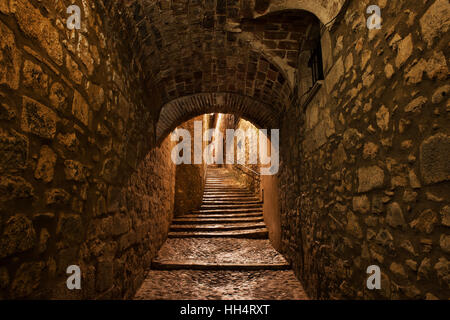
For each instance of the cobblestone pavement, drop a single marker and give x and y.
(219, 250)
(221, 285)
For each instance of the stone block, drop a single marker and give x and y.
(434, 159)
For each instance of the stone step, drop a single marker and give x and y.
(194, 265)
(229, 195)
(222, 186)
(230, 206)
(231, 202)
(260, 233)
(216, 226)
(227, 211)
(225, 187)
(221, 215)
(228, 199)
(211, 252)
(219, 219)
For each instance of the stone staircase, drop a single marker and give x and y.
(227, 210)
(221, 251)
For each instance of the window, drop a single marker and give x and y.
(316, 63)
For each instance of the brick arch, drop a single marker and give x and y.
(180, 110)
(325, 10)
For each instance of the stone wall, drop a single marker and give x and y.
(243, 173)
(365, 173)
(80, 181)
(190, 178)
(264, 186)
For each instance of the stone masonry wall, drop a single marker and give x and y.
(190, 178)
(242, 173)
(79, 178)
(365, 177)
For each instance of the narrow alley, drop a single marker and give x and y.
(221, 251)
(224, 149)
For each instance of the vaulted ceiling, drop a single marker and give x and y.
(187, 47)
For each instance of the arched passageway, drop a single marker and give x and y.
(85, 171)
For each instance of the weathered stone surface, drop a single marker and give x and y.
(409, 196)
(58, 97)
(435, 21)
(27, 279)
(13, 150)
(365, 57)
(121, 224)
(97, 96)
(46, 165)
(385, 238)
(10, 58)
(361, 204)
(445, 216)
(353, 226)
(383, 117)
(407, 245)
(351, 138)
(398, 270)
(425, 222)
(38, 27)
(440, 94)
(34, 78)
(436, 66)
(415, 74)
(370, 178)
(7, 112)
(4, 7)
(56, 196)
(70, 228)
(405, 49)
(434, 155)
(14, 188)
(416, 104)
(74, 170)
(411, 264)
(74, 70)
(80, 108)
(18, 236)
(442, 268)
(389, 71)
(335, 75)
(424, 269)
(69, 141)
(110, 169)
(444, 242)
(413, 180)
(38, 119)
(370, 150)
(394, 215)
